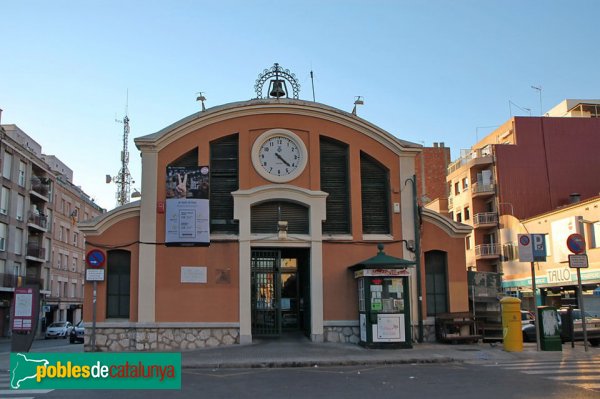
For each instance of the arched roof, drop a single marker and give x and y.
(449, 226)
(104, 221)
(160, 139)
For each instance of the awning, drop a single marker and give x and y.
(382, 261)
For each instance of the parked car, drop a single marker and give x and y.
(592, 327)
(59, 329)
(76, 333)
(527, 318)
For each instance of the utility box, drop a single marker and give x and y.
(549, 326)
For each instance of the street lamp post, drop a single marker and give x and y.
(417, 251)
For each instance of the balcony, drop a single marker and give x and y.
(485, 219)
(35, 252)
(483, 190)
(487, 251)
(479, 157)
(10, 280)
(37, 221)
(40, 186)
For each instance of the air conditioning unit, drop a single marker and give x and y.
(20, 218)
(3, 211)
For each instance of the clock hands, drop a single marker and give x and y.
(282, 160)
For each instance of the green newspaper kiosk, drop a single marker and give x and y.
(384, 301)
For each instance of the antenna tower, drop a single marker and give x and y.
(123, 179)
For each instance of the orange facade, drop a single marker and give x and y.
(161, 306)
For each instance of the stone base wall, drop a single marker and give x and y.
(160, 339)
(428, 333)
(341, 334)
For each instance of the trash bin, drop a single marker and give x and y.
(549, 325)
(511, 324)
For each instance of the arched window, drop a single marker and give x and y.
(264, 217)
(436, 282)
(118, 269)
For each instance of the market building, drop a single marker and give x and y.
(251, 216)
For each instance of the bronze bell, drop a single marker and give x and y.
(277, 88)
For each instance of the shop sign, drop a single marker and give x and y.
(381, 273)
(558, 275)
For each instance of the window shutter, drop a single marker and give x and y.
(264, 217)
(223, 181)
(374, 182)
(334, 181)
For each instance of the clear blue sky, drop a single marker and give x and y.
(429, 71)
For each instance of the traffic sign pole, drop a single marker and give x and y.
(576, 244)
(537, 324)
(93, 337)
(582, 309)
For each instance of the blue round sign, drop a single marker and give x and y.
(576, 243)
(95, 258)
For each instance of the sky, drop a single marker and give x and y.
(429, 71)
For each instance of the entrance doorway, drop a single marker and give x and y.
(280, 292)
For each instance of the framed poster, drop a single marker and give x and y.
(187, 213)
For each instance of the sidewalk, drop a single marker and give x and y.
(303, 353)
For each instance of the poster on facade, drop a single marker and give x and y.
(389, 328)
(23, 309)
(187, 213)
(561, 230)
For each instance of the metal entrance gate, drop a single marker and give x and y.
(266, 293)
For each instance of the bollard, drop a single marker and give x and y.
(512, 333)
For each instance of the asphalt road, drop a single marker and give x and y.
(42, 345)
(453, 380)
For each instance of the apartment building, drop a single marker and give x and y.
(527, 166)
(65, 298)
(28, 195)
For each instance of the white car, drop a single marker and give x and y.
(59, 329)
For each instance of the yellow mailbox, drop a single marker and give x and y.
(511, 324)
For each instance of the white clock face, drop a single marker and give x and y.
(279, 155)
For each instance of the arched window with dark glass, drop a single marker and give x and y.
(223, 181)
(335, 182)
(436, 282)
(375, 194)
(118, 270)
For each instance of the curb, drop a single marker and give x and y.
(317, 363)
